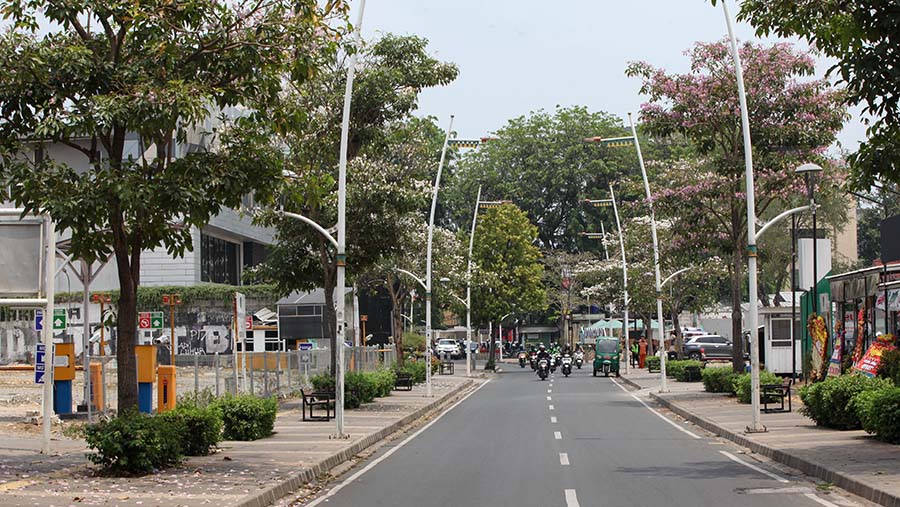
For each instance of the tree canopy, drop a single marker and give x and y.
(134, 92)
(862, 36)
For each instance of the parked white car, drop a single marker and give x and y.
(447, 346)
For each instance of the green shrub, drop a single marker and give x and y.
(889, 367)
(416, 369)
(677, 368)
(879, 413)
(742, 388)
(830, 403)
(652, 362)
(202, 398)
(133, 443)
(384, 382)
(413, 341)
(247, 417)
(199, 429)
(322, 382)
(719, 380)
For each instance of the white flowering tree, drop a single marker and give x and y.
(692, 290)
(447, 262)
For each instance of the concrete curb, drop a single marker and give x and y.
(630, 383)
(292, 483)
(806, 466)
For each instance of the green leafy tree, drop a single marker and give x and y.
(122, 86)
(388, 172)
(447, 262)
(543, 165)
(862, 37)
(508, 269)
(791, 119)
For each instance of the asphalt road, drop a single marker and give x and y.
(597, 446)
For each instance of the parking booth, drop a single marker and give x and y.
(63, 375)
(146, 371)
(165, 388)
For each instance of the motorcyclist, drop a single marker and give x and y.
(542, 353)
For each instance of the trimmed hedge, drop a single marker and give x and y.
(199, 429)
(652, 362)
(677, 369)
(719, 380)
(831, 403)
(889, 367)
(246, 417)
(133, 444)
(359, 388)
(742, 384)
(879, 413)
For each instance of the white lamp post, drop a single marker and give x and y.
(753, 318)
(663, 386)
(434, 196)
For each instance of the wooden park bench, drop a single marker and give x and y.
(446, 367)
(320, 399)
(776, 393)
(403, 381)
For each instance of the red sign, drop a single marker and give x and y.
(165, 299)
(248, 323)
(364, 318)
(144, 320)
(868, 365)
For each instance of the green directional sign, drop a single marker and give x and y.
(59, 319)
(156, 320)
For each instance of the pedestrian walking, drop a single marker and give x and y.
(642, 352)
(634, 354)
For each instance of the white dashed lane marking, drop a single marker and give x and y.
(563, 459)
(571, 498)
(553, 420)
(557, 435)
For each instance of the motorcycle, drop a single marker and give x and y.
(533, 360)
(553, 364)
(522, 356)
(566, 365)
(579, 359)
(543, 368)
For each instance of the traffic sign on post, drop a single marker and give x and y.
(156, 320)
(248, 323)
(59, 319)
(40, 363)
(144, 320)
(38, 320)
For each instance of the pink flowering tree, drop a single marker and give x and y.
(793, 119)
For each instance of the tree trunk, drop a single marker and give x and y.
(679, 339)
(491, 364)
(737, 336)
(329, 316)
(397, 297)
(126, 363)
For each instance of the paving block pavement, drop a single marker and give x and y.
(241, 474)
(851, 460)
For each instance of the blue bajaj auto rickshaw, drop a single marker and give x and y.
(606, 358)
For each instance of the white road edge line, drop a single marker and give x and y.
(557, 435)
(563, 459)
(552, 419)
(391, 451)
(813, 497)
(571, 498)
(751, 466)
(664, 418)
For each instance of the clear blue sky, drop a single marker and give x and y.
(516, 56)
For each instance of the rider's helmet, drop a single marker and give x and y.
(541, 346)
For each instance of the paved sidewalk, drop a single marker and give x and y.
(851, 460)
(241, 474)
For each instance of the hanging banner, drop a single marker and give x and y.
(893, 297)
(868, 365)
(834, 366)
(819, 335)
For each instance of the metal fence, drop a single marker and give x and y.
(281, 373)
